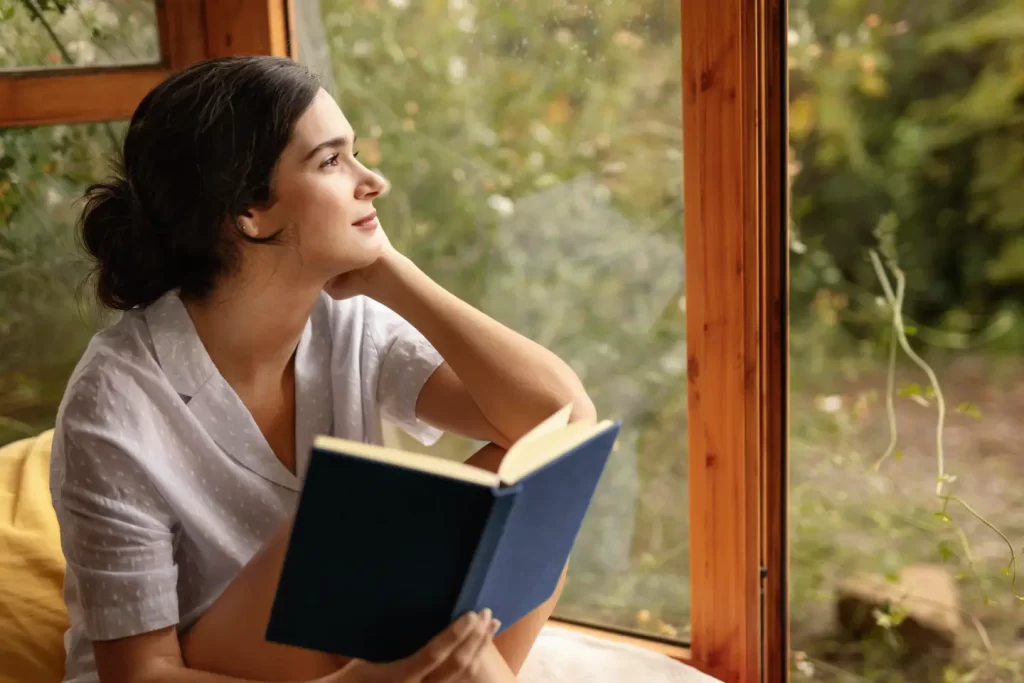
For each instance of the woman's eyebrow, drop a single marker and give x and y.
(334, 143)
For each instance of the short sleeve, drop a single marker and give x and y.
(405, 361)
(116, 535)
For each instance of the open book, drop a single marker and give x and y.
(389, 547)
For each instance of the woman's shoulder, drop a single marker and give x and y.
(358, 315)
(118, 366)
(108, 406)
(346, 321)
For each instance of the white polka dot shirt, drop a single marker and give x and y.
(163, 485)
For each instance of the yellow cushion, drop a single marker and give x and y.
(32, 613)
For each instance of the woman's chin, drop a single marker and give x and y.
(358, 256)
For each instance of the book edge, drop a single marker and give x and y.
(428, 464)
(483, 559)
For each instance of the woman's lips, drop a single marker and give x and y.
(367, 222)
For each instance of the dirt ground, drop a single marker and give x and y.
(874, 521)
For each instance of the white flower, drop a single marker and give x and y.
(502, 205)
(485, 136)
(806, 668)
(456, 69)
(541, 133)
(83, 51)
(400, 4)
(829, 404)
(53, 197)
(104, 16)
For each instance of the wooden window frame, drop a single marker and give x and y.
(735, 207)
(190, 30)
(736, 216)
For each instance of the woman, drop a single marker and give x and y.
(263, 304)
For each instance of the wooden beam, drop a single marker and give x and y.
(74, 95)
(248, 27)
(182, 32)
(774, 330)
(727, 138)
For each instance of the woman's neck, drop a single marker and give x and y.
(251, 328)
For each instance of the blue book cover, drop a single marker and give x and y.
(389, 547)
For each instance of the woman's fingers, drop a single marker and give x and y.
(464, 661)
(467, 628)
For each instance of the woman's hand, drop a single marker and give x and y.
(368, 279)
(453, 656)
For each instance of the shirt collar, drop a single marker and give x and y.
(179, 350)
(213, 402)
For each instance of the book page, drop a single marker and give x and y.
(413, 461)
(545, 448)
(559, 420)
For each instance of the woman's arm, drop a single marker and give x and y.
(495, 384)
(153, 657)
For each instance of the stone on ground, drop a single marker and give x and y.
(925, 601)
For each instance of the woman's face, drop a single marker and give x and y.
(323, 196)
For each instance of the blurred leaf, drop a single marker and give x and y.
(946, 552)
(969, 409)
(801, 115)
(909, 390)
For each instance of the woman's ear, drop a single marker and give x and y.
(247, 225)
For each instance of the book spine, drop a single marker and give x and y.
(479, 567)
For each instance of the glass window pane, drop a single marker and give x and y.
(54, 34)
(535, 154)
(907, 142)
(46, 316)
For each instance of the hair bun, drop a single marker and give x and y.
(129, 271)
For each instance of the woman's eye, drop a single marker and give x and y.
(331, 161)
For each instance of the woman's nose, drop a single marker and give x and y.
(372, 187)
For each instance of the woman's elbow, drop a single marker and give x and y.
(567, 388)
(583, 409)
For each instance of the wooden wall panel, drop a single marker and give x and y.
(248, 27)
(182, 31)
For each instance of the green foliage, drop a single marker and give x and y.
(62, 33)
(44, 325)
(914, 109)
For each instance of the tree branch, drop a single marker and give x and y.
(65, 55)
